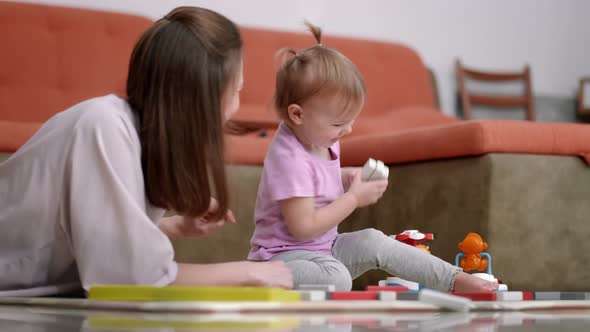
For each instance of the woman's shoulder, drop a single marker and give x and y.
(102, 113)
(90, 120)
(105, 116)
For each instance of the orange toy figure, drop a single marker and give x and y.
(472, 246)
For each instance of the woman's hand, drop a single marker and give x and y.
(242, 273)
(178, 227)
(269, 274)
(366, 192)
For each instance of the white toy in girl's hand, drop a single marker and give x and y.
(374, 170)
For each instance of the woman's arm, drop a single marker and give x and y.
(242, 273)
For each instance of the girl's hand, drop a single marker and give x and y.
(195, 227)
(348, 175)
(269, 274)
(366, 193)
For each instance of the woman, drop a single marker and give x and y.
(83, 199)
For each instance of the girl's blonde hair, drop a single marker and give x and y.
(316, 70)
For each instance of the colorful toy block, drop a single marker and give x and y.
(408, 296)
(547, 296)
(514, 296)
(395, 281)
(489, 296)
(353, 295)
(319, 287)
(387, 288)
(387, 295)
(313, 295)
(445, 300)
(184, 293)
(574, 296)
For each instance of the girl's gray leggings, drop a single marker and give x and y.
(355, 253)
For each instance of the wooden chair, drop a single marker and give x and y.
(468, 99)
(583, 109)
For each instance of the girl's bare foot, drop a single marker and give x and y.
(466, 283)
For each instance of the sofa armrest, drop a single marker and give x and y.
(246, 126)
(252, 118)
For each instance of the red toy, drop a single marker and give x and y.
(412, 237)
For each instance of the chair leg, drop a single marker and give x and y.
(530, 112)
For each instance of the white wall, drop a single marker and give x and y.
(550, 35)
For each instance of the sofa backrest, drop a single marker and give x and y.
(53, 57)
(394, 73)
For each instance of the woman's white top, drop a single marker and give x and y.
(73, 209)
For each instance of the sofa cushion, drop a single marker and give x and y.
(399, 120)
(247, 149)
(468, 138)
(422, 133)
(256, 116)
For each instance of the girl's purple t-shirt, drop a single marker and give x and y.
(292, 171)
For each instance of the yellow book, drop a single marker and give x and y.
(185, 293)
(125, 323)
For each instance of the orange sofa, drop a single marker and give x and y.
(522, 185)
(45, 71)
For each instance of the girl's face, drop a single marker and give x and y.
(322, 120)
(231, 97)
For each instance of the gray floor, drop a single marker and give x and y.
(28, 318)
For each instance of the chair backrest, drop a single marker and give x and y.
(583, 112)
(470, 98)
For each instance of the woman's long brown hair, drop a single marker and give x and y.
(178, 73)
